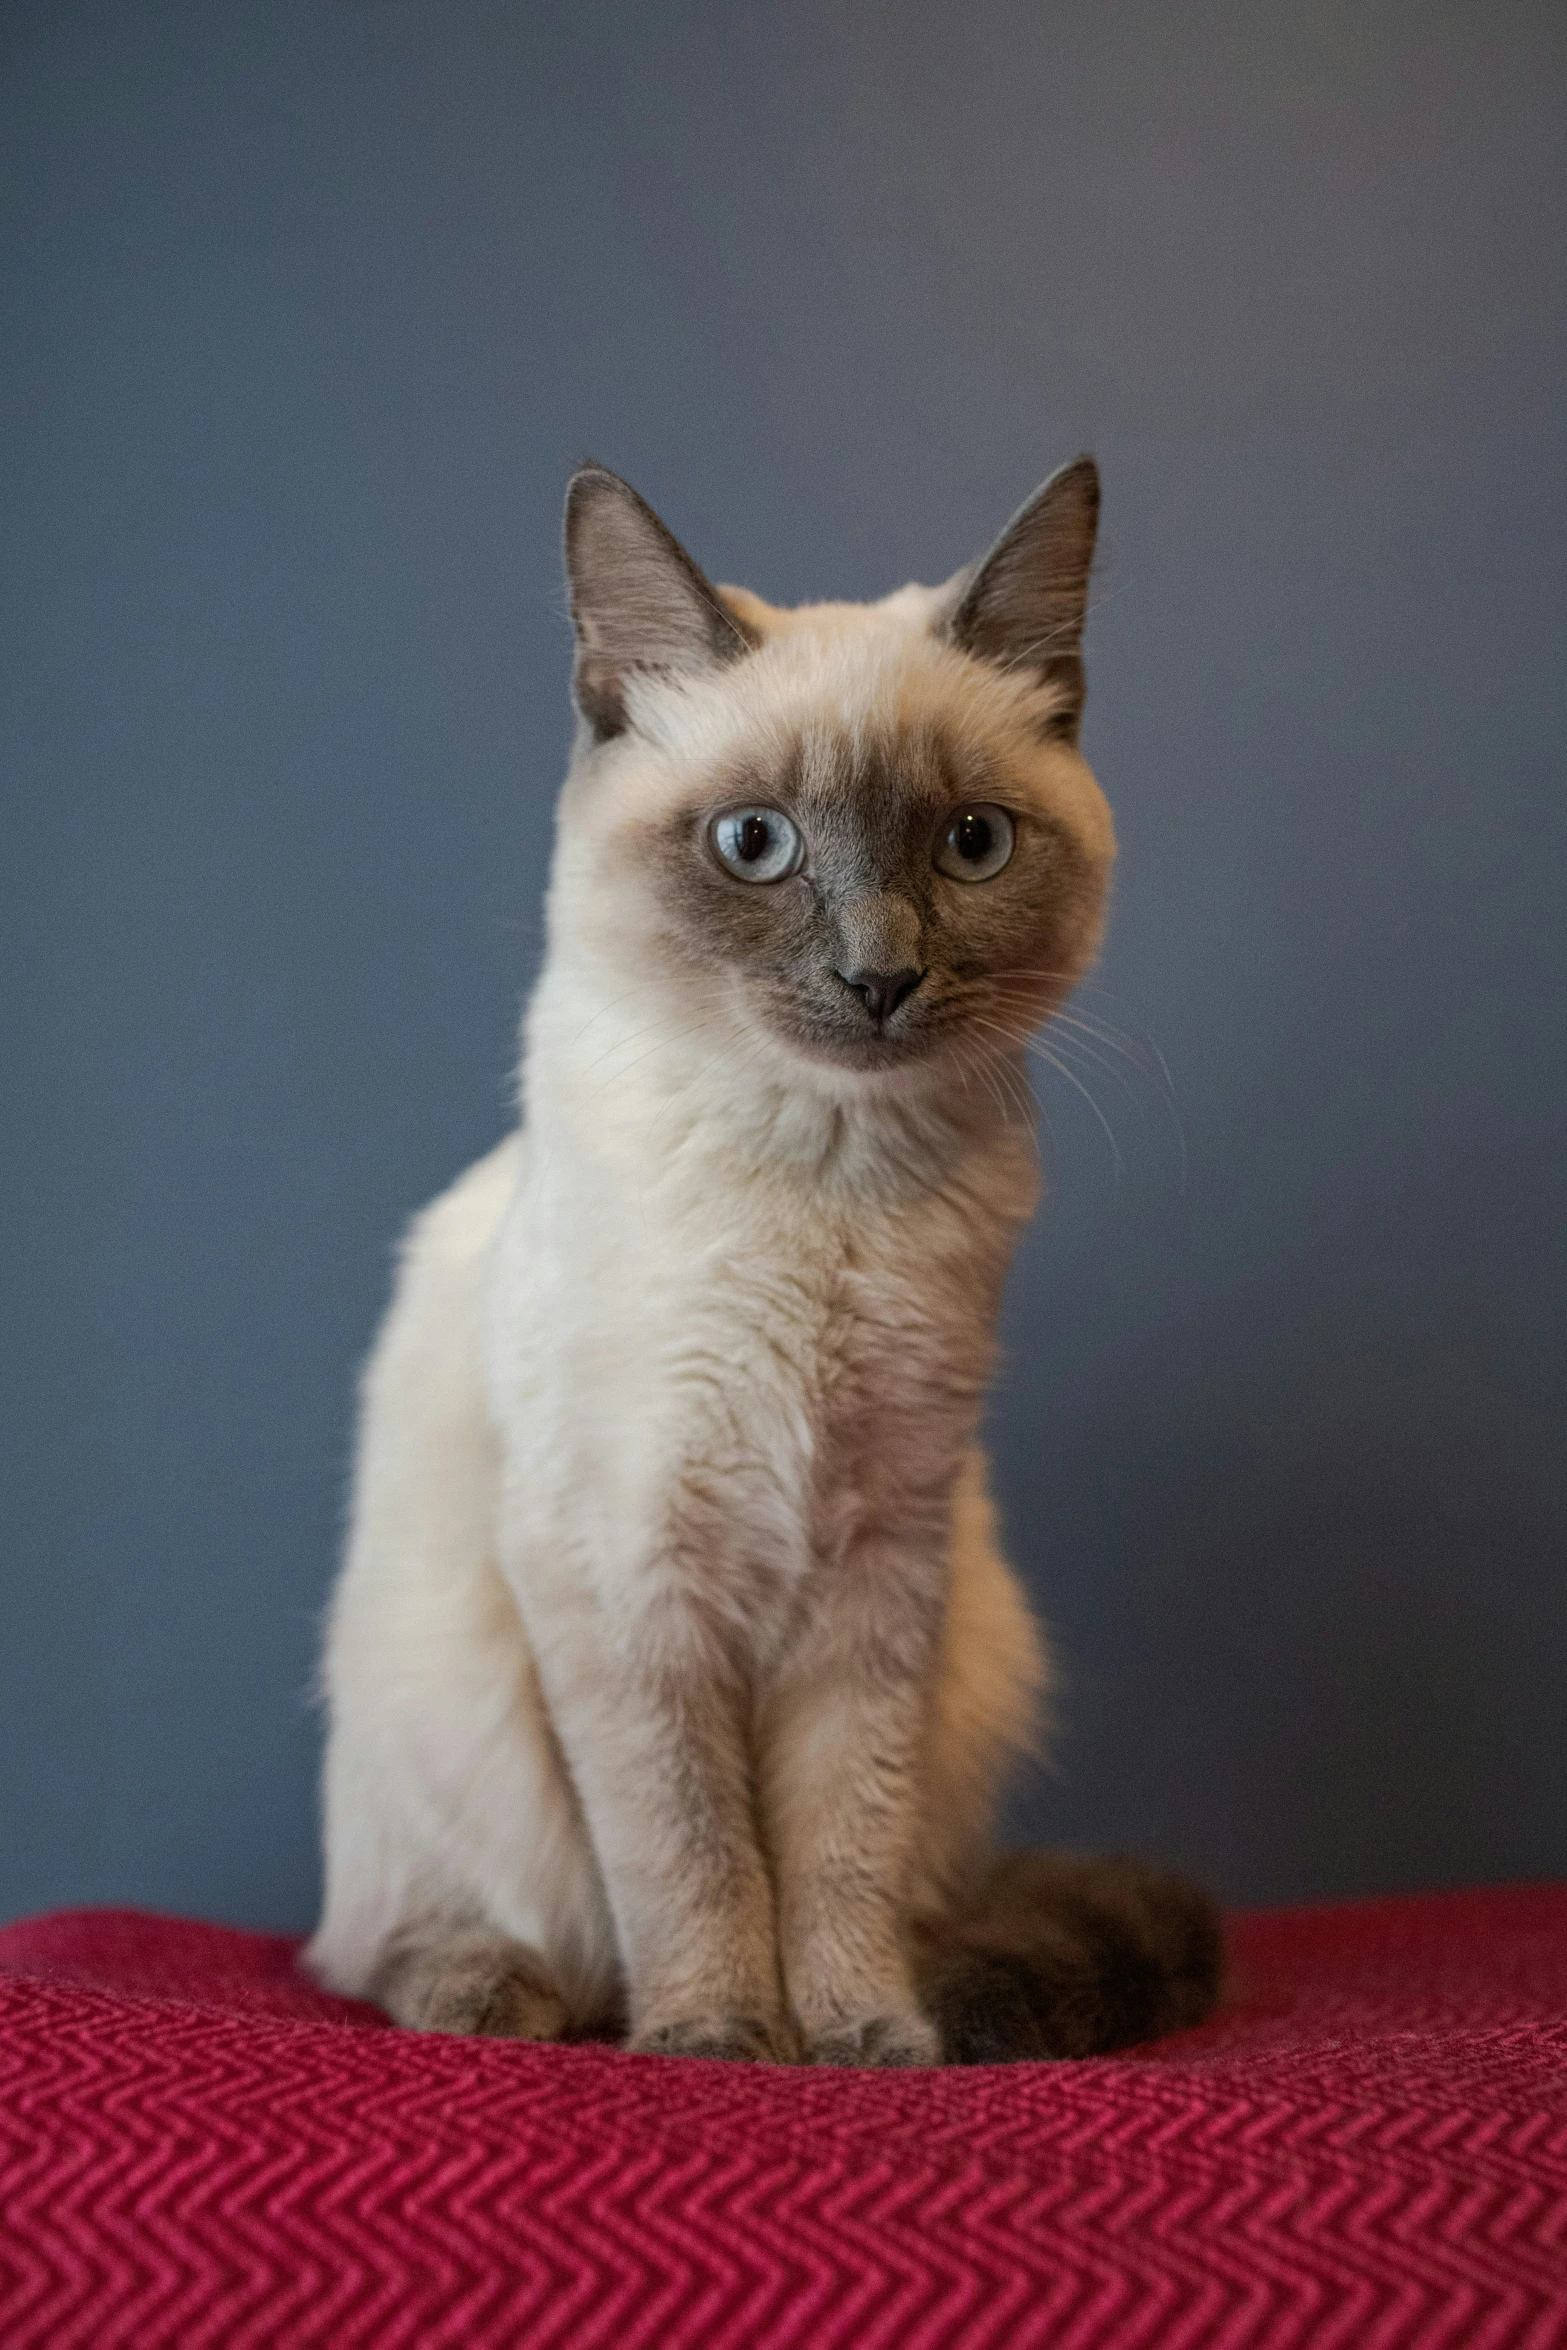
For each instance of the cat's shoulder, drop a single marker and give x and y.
(461, 1222)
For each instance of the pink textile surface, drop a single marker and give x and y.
(1367, 2148)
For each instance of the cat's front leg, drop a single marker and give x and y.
(650, 1716)
(841, 1745)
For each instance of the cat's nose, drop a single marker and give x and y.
(882, 992)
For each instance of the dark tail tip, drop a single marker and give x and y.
(1062, 1956)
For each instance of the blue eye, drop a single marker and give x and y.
(975, 842)
(756, 844)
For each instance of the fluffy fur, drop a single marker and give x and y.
(674, 1666)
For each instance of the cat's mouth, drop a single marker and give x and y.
(851, 1033)
(880, 1022)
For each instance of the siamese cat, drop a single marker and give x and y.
(674, 1666)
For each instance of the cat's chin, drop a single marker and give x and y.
(871, 1054)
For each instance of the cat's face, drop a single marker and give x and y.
(861, 833)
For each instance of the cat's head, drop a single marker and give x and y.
(863, 831)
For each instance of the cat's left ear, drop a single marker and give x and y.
(1023, 605)
(638, 602)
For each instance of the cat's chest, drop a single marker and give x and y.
(807, 1340)
(784, 1359)
(809, 1392)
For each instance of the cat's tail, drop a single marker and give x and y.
(1060, 1955)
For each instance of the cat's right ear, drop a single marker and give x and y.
(638, 602)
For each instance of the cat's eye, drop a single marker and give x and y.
(756, 844)
(975, 842)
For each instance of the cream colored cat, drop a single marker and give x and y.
(674, 1666)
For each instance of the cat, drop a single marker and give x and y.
(674, 1666)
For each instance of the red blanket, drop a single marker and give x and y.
(1367, 2149)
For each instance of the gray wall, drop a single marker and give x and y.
(306, 312)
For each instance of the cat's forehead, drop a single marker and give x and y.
(847, 701)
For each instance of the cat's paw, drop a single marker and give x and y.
(470, 1981)
(516, 2000)
(897, 2036)
(733, 2039)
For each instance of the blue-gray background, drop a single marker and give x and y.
(307, 310)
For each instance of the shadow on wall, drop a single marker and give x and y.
(1288, 1616)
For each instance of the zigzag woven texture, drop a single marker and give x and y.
(1367, 2150)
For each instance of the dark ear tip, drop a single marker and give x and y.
(1083, 474)
(591, 480)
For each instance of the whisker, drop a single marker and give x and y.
(1115, 1149)
(594, 1017)
(1036, 1046)
(1140, 1050)
(1073, 1044)
(659, 1030)
(1008, 1068)
(1004, 1068)
(1116, 1038)
(1015, 1078)
(985, 1069)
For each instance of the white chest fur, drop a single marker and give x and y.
(739, 1325)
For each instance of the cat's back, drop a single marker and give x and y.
(424, 1398)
